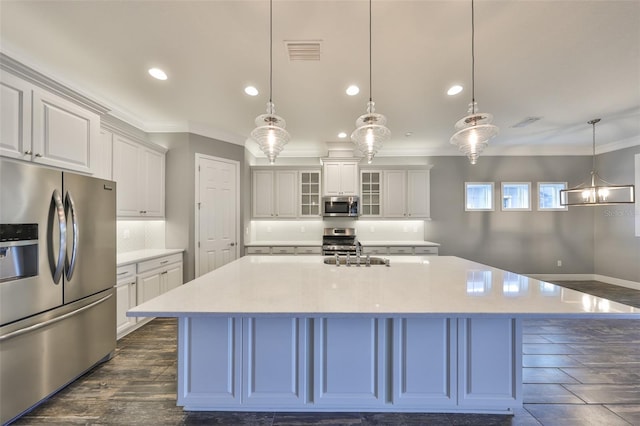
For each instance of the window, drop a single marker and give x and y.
(478, 196)
(516, 196)
(549, 195)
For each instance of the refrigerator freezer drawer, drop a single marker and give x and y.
(67, 336)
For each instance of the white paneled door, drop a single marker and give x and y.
(217, 212)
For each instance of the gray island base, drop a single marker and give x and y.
(428, 334)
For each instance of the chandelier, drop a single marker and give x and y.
(599, 192)
(270, 133)
(370, 130)
(475, 130)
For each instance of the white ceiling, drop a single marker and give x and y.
(565, 61)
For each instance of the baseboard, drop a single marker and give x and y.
(587, 277)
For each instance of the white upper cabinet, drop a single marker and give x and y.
(275, 193)
(64, 134)
(45, 122)
(340, 177)
(140, 173)
(406, 193)
(15, 117)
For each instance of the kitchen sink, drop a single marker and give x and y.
(331, 260)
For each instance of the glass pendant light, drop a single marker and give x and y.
(270, 133)
(475, 130)
(370, 130)
(599, 192)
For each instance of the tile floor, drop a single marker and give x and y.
(576, 372)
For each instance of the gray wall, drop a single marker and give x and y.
(524, 242)
(617, 249)
(180, 187)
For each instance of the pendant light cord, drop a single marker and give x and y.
(270, 50)
(370, 55)
(473, 62)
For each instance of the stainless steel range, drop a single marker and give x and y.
(340, 241)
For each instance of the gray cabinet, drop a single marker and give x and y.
(340, 177)
(275, 193)
(406, 194)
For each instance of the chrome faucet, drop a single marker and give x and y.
(337, 259)
(368, 260)
(348, 259)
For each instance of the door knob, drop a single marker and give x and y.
(232, 244)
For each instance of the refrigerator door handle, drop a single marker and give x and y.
(52, 320)
(70, 205)
(58, 204)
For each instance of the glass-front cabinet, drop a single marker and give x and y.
(370, 200)
(310, 193)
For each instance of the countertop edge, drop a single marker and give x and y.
(137, 256)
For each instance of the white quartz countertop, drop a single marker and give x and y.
(412, 285)
(142, 255)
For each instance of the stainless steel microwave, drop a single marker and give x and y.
(342, 206)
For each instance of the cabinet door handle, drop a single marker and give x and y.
(38, 155)
(28, 152)
(164, 261)
(232, 244)
(164, 273)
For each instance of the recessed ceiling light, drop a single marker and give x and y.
(251, 91)
(454, 90)
(157, 73)
(353, 90)
(408, 134)
(342, 135)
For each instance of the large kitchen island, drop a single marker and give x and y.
(425, 334)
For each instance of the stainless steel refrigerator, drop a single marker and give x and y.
(57, 277)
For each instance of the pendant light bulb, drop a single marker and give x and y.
(474, 131)
(371, 131)
(270, 133)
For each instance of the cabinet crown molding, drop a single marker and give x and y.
(27, 73)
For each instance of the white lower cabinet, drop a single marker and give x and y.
(143, 281)
(158, 276)
(126, 298)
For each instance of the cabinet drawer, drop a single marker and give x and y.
(308, 250)
(159, 262)
(375, 250)
(125, 273)
(283, 250)
(258, 250)
(401, 250)
(426, 250)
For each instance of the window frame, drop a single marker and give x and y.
(515, 209)
(476, 209)
(551, 209)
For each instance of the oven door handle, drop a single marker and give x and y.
(58, 267)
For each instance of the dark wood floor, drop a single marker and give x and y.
(576, 372)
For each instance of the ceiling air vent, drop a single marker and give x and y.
(307, 50)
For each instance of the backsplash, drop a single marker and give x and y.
(140, 235)
(311, 230)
